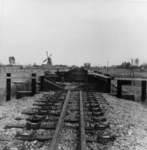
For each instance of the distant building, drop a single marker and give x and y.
(46, 66)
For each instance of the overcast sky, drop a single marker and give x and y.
(73, 31)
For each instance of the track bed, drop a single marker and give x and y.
(66, 120)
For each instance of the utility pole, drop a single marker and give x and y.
(132, 69)
(107, 66)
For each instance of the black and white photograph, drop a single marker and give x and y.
(73, 74)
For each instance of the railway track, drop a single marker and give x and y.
(77, 75)
(71, 120)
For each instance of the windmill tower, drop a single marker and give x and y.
(48, 59)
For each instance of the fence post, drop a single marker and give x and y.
(119, 89)
(108, 85)
(8, 87)
(42, 83)
(143, 91)
(33, 84)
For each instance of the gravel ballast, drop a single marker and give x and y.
(8, 112)
(128, 121)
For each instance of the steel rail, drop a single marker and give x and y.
(82, 125)
(54, 142)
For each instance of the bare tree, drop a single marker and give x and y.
(137, 62)
(11, 60)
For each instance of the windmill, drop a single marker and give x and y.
(48, 59)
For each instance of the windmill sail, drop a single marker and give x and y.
(47, 54)
(45, 60)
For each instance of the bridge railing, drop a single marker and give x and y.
(48, 84)
(102, 81)
(105, 80)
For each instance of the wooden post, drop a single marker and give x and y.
(42, 83)
(143, 91)
(119, 89)
(8, 87)
(108, 85)
(33, 84)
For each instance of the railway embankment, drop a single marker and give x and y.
(128, 122)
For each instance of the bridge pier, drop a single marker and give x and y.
(143, 91)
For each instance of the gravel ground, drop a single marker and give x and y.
(13, 108)
(8, 112)
(128, 122)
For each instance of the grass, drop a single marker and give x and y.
(26, 86)
(2, 95)
(123, 73)
(134, 89)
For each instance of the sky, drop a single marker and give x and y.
(73, 31)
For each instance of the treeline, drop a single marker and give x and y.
(128, 65)
(124, 65)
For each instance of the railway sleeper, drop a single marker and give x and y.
(101, 139)
(31, 138)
